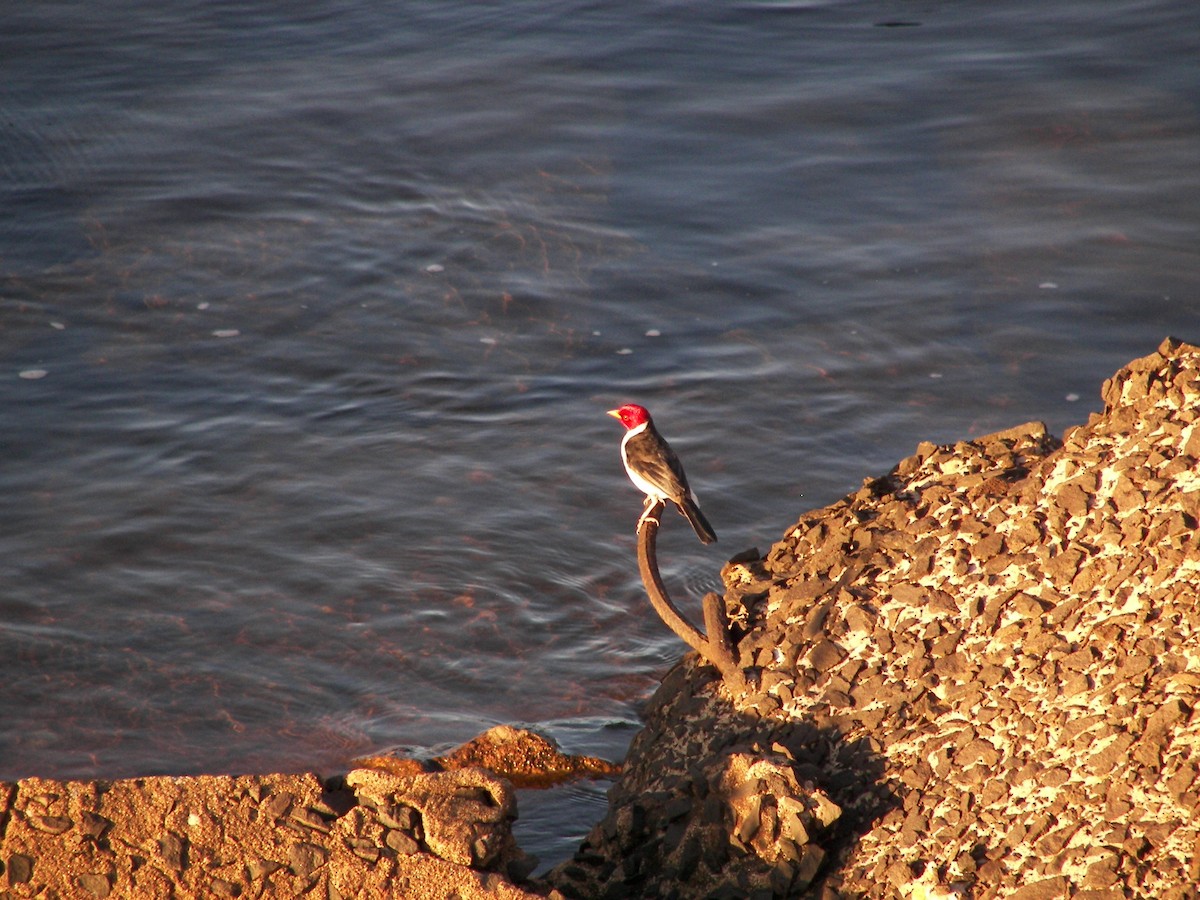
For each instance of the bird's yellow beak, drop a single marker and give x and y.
(615, 413)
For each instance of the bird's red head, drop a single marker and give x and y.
(630, 415)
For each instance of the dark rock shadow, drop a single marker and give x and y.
(718, 802)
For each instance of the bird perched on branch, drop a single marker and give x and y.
(655, 470)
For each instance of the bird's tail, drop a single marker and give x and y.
(696, 518)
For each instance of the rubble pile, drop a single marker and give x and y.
(987, 660)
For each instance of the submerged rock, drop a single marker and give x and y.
(523, 757)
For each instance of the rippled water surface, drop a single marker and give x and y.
(309, 317)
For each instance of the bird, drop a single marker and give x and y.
(655, 470)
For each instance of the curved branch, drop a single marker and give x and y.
(716, 647)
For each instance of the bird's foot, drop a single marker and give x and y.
(646, 518)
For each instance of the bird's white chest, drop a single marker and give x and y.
(646, 487)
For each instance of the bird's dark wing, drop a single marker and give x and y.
(657, 463)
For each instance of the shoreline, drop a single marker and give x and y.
(974, 677)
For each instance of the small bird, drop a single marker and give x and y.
(655, 470)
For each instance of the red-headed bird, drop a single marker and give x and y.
(655, 470)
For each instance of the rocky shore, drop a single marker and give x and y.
(975, 677)
(393, 827)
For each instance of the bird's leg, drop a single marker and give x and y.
(646, 517)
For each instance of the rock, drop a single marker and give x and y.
(20, 869)
(986, 660)
(304, 858)
(466, 815)
(289, 835)
(171, 849)
(1157, 735)
(525, 758)
(1057, 888)
(977, 751)
(826, 655)
(50, 824)
(909, 594)
(95, 885)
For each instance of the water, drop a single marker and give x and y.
(309, 317)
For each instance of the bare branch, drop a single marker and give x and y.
(716, 647)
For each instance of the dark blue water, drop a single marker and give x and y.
(309, 318)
